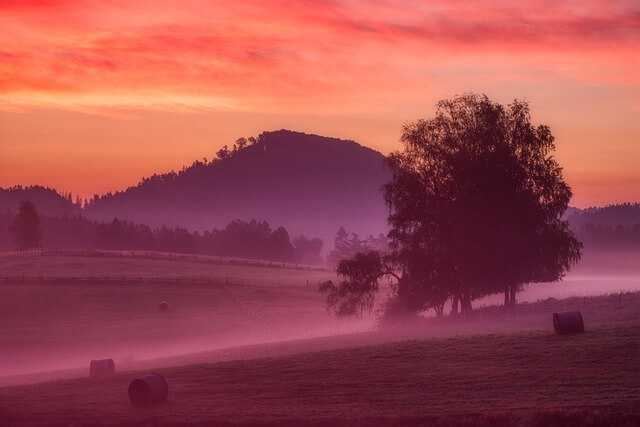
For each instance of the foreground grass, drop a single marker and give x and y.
(531, 378)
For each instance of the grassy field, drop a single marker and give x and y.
(487, 368)
(526, 378)
(63, 325)
(70, 266)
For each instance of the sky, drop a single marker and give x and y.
(96, 95)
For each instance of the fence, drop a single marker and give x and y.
(165, 256)
(6, 256)
(200, 281)
(249, 311)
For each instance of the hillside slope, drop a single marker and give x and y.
(47, 200)
(521, 379)
(309, 184)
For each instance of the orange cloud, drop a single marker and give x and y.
(354, 69)
(276, 55)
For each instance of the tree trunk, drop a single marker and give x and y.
(454, 306)
(513, 290)
(465, 303)
(439, 309)
(507, 298)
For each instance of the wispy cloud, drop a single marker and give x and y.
(283, 56)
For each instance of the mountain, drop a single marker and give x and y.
(48, 201)
(307, 183)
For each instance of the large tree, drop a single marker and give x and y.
(476, 202)
(26, 229)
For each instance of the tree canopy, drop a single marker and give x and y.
(26, 229)
(476, 202)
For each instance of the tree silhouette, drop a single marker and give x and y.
(26, 226)
(356, 293)
(280, 246)
(346, 245)
(307, 250)
(476, 202)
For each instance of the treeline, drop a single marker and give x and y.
(601, 236)
(48, 200)
(608, 227)
(347, 245)
(626, 214)
(243, 239)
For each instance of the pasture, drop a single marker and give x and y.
(63, 323)
(534, 378)
(110, 265)
(305, 367)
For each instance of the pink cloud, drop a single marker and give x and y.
(279, 54)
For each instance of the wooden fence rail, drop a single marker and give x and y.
(156, 255)
(200, 281)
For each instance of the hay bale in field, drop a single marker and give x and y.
(102, 368)
(568, 322)
(164, 306)
(151, 388)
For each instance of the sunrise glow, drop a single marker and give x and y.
(96, 95)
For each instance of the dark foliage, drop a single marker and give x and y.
(609, 227)
(241, 239)
(619, 237)
(625, 214)
(356, 293)
(26, 229)
(48, 200)
(308, 251)
(476, 203)
(347, 245)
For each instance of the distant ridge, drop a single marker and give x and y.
(624, 214)
(48, 201)
(309, 184)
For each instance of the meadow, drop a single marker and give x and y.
(533, 378)
(307, 367)
(65, 322)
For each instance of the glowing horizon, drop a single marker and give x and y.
(94, 96)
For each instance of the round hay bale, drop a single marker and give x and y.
(102, 368)
(151, 388)
(568, 322)
(164, 306)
